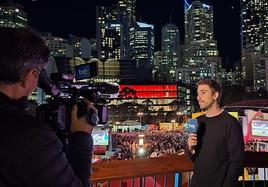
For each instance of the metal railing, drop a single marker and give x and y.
(169, 171)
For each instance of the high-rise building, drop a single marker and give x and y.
(13, 16)
(201, 49)
(81, 47)
(106, 16)
(254, 69)
(187, 76)
(115, 20)
(58, 47)
(250, 59)
(158, 58)
(265, 48)
(126, 17)
(110, 45)
(127, 10)
(93, 43)
(170, 48)
(144, 44)
(198, 22)
(142, 47)
(254, 17)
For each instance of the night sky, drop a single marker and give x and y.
(79, 18)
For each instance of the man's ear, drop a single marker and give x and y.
(27, 77)
(216, 95)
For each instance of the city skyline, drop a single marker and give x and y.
(61, 18)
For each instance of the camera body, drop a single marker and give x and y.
(65, 93)
(57, 111)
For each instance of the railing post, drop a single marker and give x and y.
(178, 180)
(253, 177)
(189, 179)
(154, 181)
(165, 181)
(264, 176)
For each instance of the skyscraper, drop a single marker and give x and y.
(170, 50)
(201, 49)
(254, 33)
(107, 31)
(198, 22)
(12, 16)
(110, 45)
(254, 17)
(58, 47)
(115, 20)
(144, 44)
(126, 17)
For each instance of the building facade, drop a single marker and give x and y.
(201, 49)
(254, 18)
(170, 49)
(13, 16)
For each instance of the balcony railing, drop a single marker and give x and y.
(159, 171)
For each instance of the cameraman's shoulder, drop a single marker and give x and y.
(34, 124)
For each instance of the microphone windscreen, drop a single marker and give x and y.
(108, 88)
(193, 125)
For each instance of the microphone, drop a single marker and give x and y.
(108, 88)
(193, 125)
(193, 128)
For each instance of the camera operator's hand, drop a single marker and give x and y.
(80, 124)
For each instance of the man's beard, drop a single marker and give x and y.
(205, 108)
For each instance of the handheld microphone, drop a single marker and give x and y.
(193, 125)
(193, 128)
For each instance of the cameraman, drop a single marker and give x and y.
(31, 154)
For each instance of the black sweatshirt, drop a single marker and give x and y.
(218, 160)
(32, 155)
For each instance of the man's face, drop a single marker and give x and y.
(205, 97)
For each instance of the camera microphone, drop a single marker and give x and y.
(108, 88)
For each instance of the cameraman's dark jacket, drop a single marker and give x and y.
(32, 155)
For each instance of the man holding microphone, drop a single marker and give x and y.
(216, 145)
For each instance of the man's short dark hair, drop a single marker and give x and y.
(21, 49)
(213, 84)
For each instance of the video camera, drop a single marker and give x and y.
(65, 93)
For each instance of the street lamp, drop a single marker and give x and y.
(140, 114)
(179, 115)
(141, 150)
(173, 124)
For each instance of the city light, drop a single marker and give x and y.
(141, 152)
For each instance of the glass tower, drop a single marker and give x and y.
(254, 18)
(12, 16)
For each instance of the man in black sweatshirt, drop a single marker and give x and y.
(217, 149)
(31, 154)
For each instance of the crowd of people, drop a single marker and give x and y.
(156, 143)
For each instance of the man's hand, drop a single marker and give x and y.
(192, 141)
(80, 124)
